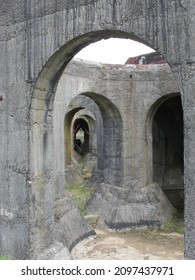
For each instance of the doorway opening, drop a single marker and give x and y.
(81, 136)
(167, 130)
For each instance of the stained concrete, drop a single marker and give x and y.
(37, 40)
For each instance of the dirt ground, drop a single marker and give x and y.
(130, 245)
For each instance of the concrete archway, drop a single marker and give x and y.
(110, 161)
(68, 135)
(167, 130)
(81, 136)
(77, 166)
(44, 93)
(71, 118)
(48, 183)
(80, 107)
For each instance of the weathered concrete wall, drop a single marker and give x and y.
(14, 122)
(37, 39)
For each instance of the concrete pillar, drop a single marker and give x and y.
(186, 78)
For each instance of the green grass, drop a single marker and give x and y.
(175, 223)
(3, 258)
(80, 195)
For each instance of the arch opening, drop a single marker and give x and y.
(44, 95)
(49, 77)
(109, 135)
(167, 134)
(81, 136)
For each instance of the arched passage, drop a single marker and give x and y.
(68, 137)
(81, 136)
(167, 131)
(41, 146)
(109, 138)
(71, 126)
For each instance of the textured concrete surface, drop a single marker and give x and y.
(120, 209)
(37, 40)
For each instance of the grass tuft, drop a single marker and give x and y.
(175, 223)
(2, 258)
(80, 195)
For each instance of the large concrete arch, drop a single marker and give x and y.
(47, 35)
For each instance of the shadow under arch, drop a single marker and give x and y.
(165, 147)
(111, 163)
(81, 136)
(91, 121)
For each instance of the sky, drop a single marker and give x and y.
(113, 51)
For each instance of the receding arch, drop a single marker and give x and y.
(81, 136)
(68, 134)
(81, 107)
(70, 122)
(110, 150)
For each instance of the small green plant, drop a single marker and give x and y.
(154, 231)
(3, 258)
(80, 195)
(175, 223)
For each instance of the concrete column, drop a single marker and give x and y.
(186, 78)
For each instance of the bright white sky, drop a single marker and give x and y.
(114, 51)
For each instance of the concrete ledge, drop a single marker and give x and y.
(120, 209)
